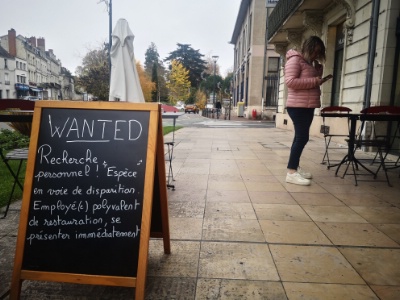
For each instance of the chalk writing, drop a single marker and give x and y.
(121, 206)
(60, 175)
(76, 130)
(48, 236)
(60, 221)
(112, 172)
(104, 233)
(88, 186)
(44, 152)
(59, 206)
(118, 189)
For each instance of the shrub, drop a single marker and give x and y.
(10, 139)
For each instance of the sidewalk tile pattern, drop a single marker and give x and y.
(239, 231)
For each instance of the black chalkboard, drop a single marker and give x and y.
(87, 193)
(93, 170)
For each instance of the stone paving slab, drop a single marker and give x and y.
(238, 231)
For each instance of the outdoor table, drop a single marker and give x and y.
(350, 158)
(174, 116)
(6, 116)
(170, 145)
(24, 116)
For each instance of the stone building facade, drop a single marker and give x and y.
(37, 71)
(362, 39)
(7, 74)
(256, 64)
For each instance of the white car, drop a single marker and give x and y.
(31, 98)
(181, 107)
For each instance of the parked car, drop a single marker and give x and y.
(191, 108)
(31, 98)
(181, 107)
(168, 108)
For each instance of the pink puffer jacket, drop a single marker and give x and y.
(301, 79)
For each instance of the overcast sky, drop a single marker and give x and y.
(73, 27)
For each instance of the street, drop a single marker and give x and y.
(196, 120)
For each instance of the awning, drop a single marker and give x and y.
(35, 89)
(21, 87)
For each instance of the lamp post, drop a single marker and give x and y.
(109, 9)
(214, 58)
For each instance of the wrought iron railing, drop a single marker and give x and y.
(271, 96)
(281, 12)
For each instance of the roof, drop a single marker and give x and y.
(239, 20)
(5, 54)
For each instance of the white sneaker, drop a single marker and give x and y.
(296, 178)
(303, 173)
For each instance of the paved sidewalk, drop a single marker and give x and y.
(238, 231)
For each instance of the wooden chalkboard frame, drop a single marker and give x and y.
(154, 186)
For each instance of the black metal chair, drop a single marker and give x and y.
(21, 156)
(16, 108)
(329, 134)
(169, 157)
(391, 135)
(376, 135)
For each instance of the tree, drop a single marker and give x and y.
(226, 85)
(94, 74)
(151, 57)
(155, 69)
(154, 79)
(148, 87)
(192, 61)
(208, 84)
(201, 99)
(178, 84)
(210, 66)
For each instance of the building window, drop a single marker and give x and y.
(338, 65)
(5, 63)
(243, 43)
(273, 64)
(6, 79)
(249, 32)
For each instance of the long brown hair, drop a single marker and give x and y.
(309, 46)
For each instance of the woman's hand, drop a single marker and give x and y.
(325, 79)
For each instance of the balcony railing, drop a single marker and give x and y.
(281, 12)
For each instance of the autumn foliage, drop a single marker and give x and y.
(148, 87)
(178, 84)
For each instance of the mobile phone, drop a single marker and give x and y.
(327, 77)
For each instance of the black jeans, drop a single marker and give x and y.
(302, 119)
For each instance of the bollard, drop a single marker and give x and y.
(254, 114)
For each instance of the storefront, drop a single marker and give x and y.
(36, 91)
(22, 90)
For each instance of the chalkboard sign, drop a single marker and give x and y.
(92, 172)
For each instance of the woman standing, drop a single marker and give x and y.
(303, 71)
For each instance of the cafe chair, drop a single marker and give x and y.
(168, 158)
(376, 135)
(335, 133)
(20, 156)
(391, 134)
(16, 107)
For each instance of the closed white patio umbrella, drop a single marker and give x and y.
(124, 82)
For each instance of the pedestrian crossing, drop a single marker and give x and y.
(233, 124)
(195, 120)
